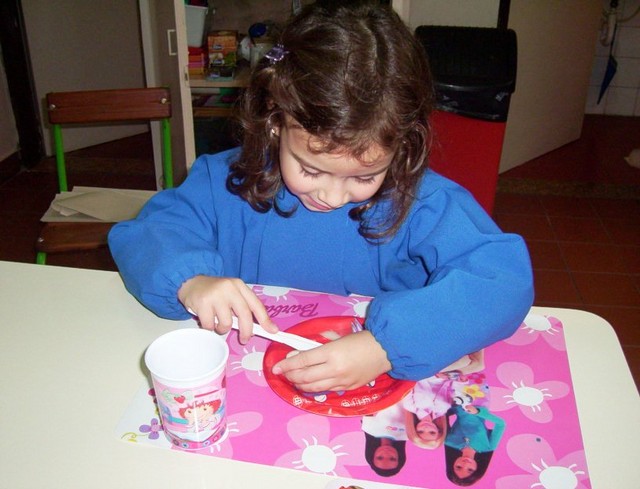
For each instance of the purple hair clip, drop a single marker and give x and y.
(276, 53)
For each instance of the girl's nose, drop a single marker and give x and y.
(334, 196)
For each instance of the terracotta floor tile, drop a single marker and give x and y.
(625, 321)
(630, 257)
(518, 204)
(624, 231)
(9, 167)
(19, 232)
(556, 205)
(607, 289)
(616, 207)
(583, 229)
(96, 259)
(593, 257)
(555, 286)
(528, 226)
(564, 305)
(632, 355)
(28, 192)
(546, 255)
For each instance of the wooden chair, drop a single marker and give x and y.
(98, 107)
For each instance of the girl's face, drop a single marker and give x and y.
(326, 181)
(464, 467)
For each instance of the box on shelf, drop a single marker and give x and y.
(221, 73)
(223, 48)
(198, 61)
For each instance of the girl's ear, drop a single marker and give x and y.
(273, 126)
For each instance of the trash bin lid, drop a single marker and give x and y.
(470, 58)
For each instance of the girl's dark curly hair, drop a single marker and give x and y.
(353, 76)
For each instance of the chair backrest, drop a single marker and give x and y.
(107, 106)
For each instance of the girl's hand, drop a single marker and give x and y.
(346, 363)
(215, 300)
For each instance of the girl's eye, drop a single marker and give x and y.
(308, 173)
(365, 180)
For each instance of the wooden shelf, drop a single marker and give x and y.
(241, 80)
(212, 111)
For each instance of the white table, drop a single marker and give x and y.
(71, 345)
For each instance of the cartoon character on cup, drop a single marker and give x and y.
(201, 415)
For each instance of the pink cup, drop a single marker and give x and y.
(188, 372)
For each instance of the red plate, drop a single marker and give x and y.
(364, 400)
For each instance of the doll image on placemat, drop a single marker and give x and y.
(385, 440)
(470, 443)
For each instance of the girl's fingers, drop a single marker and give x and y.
(293, 367)
(207, 318)
(224, 318)
(245, 324)
(258, 310)
(308, 371)
(314, 379)
(217, 299)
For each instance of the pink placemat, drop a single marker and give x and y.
(526, 382)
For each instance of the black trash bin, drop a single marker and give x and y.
(474, 71)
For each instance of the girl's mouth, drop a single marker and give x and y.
(317, 205)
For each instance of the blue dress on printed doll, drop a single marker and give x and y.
(470, 430)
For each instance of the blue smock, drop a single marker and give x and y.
(448, 283)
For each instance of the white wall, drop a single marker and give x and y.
(555, 52)
(623, 95)
(8, 131)
(556, 41)
(476, 13)
(241, 14)
(84, 45)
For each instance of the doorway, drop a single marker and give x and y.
(17, 64)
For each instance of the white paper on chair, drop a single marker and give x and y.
(95, 204)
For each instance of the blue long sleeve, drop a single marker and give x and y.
(476, 287)
(448, 283)
(163, 248)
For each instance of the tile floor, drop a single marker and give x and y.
(585, 254)
(577, 207)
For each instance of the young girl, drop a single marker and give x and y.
(330, 192)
